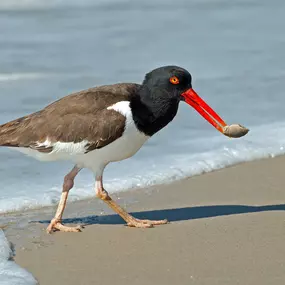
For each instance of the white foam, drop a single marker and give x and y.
(10, 272)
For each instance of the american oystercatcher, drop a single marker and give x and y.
(104, 124)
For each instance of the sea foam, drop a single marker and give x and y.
(10, 272)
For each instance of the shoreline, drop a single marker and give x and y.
(152, 187)
(226, 227)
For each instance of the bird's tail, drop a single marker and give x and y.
(10, 133)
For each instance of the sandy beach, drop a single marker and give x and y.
(226, 227)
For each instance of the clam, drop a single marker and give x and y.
(235, 131)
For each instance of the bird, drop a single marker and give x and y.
(104, 124)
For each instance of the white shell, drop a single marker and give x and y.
(235, 131)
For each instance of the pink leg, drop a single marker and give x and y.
(130, 220)
(55, 223)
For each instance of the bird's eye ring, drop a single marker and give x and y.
(174, 80)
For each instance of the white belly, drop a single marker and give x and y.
(123, 147)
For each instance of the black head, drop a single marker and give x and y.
(158, 98)
(160, 93)
(171, 79)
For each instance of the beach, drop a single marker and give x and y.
(224, 197)
(226, 227)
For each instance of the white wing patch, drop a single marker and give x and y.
(60, 150)
(64, 147)
(70, 147)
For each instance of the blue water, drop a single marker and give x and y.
(235, 51)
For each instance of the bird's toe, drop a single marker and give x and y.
(58, 226)
(137, 223)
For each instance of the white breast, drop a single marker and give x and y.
(123, 147)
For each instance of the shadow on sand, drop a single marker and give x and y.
(174, 215)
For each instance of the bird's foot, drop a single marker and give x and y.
(56, 225)
(137, 223)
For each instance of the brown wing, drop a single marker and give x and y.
(74, 118)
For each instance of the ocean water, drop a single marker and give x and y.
(235, 51)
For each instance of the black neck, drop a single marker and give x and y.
(153, 110)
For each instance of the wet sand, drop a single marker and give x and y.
(226, 227)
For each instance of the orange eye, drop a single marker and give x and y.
(174, 80)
